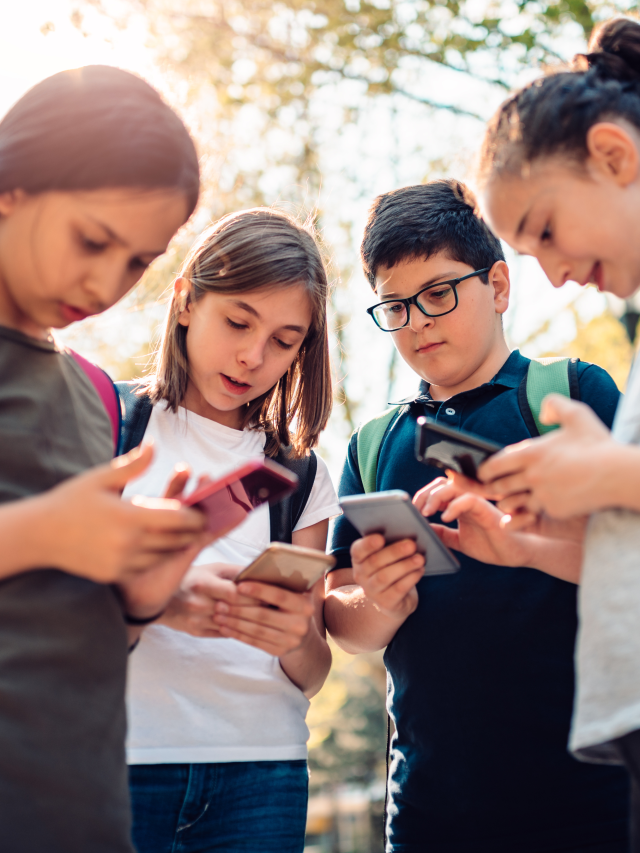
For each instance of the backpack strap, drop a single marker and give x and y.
(545, 376)
(136, 410)
(285, 514)
(106, 390)
(370, 436)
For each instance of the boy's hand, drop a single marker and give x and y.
(562, 473)
(276, 620)
(388, 574)
(89, 531)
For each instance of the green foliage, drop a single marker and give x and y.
(348, 723)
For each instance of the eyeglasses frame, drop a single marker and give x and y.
(413, 300)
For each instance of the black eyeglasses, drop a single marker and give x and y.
(434, 301)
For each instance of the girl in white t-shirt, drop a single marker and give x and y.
(217, 733)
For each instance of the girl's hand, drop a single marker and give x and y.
(88, 530)
(388, 574)
(276, 621)
(192, 608)
(562, 473)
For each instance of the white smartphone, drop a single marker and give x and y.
(290, 566)
(394, 516)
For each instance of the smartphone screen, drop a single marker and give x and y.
(227, 502)
(452, 449)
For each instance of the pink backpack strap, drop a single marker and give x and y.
(106, 391)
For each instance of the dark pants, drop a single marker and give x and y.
(629, 748)
(249, 806)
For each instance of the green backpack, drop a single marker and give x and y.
(545, 376)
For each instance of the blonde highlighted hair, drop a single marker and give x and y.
(247, 251)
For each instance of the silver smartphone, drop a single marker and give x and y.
(394, 516)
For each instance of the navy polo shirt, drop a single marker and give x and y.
(480, 677)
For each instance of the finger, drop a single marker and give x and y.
(178, 481)
(284, 599)
(476, 508)
(521, 502)
(361, 549)
(275, 649)
(386, 557)
(557, 409)
(519, 521)
(122, 469)
(161, 514)
(380, 581)
(421, 497)
(266, 633)
(162, 542)
(449, 536)
(508, 461)
(399, 590)
(276, 620)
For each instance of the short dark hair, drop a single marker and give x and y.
(421, 221)
(553, 115)
(96, 127)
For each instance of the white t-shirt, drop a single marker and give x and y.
(199, 699)
(608, 651)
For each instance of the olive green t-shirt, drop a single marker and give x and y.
(63, 645)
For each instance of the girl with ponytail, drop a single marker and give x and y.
(560, 180)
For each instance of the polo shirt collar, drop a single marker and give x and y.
(510, 375)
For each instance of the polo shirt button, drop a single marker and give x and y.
(450, 411)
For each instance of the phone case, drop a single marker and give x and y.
(457, 450)
(229, 500)
(290, 566)
(394, 516)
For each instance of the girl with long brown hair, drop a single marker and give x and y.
(219, 688)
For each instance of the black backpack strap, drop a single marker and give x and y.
(574, 382)
(285, 514)
(136, 411)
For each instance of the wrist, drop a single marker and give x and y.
(618, 468)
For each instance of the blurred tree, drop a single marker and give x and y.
(348, 723)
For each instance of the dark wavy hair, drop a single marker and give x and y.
(552, 115)
(96, 127)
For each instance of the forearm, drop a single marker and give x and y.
(562, 559)
(619, 478)
(309, 664)
(355, 623)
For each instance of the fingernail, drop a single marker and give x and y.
(222, 607)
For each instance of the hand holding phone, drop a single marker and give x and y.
(228, 501)
(393, 515)
(452, 449)
(288, 566)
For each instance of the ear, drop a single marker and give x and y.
(181, 290)
(10, 200)
(613, 153)
(501, 283)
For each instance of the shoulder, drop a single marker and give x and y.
(598, 390)
(323, 500)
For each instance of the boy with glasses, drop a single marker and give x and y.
(480, 663)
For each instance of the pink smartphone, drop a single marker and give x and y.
(228, 501)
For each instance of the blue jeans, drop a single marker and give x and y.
(249, 806)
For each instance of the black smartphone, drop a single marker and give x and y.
(455, 449)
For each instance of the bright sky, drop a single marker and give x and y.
(37, 39)
(27, 54)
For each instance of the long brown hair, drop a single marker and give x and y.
(242, 252)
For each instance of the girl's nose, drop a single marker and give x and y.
(252, 356)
